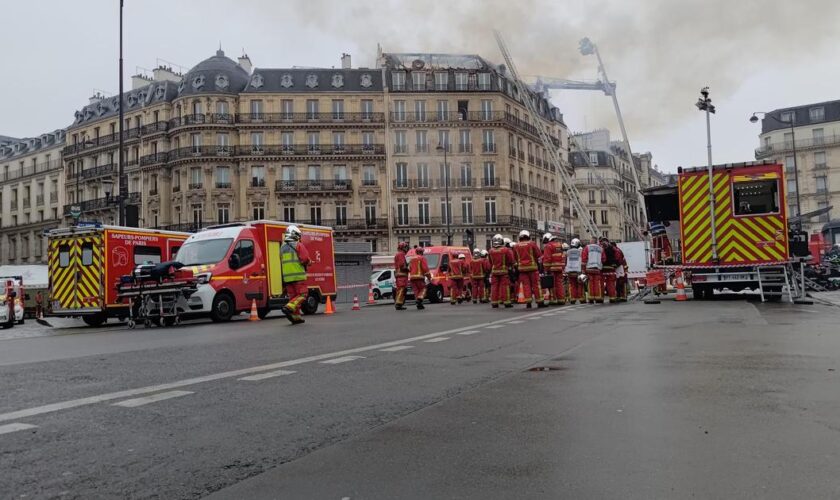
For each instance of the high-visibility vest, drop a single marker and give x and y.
(290, 265)
(593, 260)
(573, 260)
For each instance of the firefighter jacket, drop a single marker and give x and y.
(294, 257)
(593, 256)
(609, 256)
(456, 269)
(554, 259)
(501, 259)
(418, 268)
(574, 258)
(400, 265)
(478, 268)
(527, 255)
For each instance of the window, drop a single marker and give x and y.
(822, 184)
(420, 111)
(818, 135)
(367, 140)
(288, 174)
(257, 141)
(195, 141)
(604, 219)
(422, 175)
(484, 81)
(461, 80)
(258, 211)
(442, 110)
(257, 176)
(256, 109)
(287, 108)
(443, 139)
(245, 250)
(424, 241)
(822, 205)
(399, 111)
(368, 175)
(287, 139)
(223, 213)
(790, 163)
(312, 109)
(467, 210)
(786, 116)
(315, 213)
(145, 255)
(488, 141)
(402, 211)
(223, 177)
(341, 213)
(340, 174)
(593, 158)
(788, 140)
(445, 175)
(313, 174)
(198, 214)
(593, 215)
(421, 141)
(313, 141)
(603, 196)
(289, 212)
(402, 174)
(756, 197)
(423, 211)
(398, 80)
(489, 173)
(400, 143)
(465, 146)
(195, 178)
(338, 109)
(87, 253)
(367, 109)
(441, 81)
(445, 210)
(196, 107)
(221, 109)
(338, 141)
(591, 196)
(466, 175)
(816, 114)
(418, 80)
(370, 212)
(819, 159)
(490, 210)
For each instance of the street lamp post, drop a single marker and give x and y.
(791, 123)
(444, 147)
(704, 103)
(120, 167)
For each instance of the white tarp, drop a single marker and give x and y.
(34, 275)
(637, 255)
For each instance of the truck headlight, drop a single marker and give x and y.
(204, 278)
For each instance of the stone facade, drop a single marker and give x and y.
(31, 195)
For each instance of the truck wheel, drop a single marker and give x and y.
(699, 292)
(94, 320)
(310, 305)
(262, 312)
(435, 294)
(377, 294)
(223, 308)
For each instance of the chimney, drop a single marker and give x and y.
(345, 61)
(138, 81)
(165, 74)
(96, 97)
(245, 62)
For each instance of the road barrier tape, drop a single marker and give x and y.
(349, 287)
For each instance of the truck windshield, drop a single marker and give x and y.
(197, 253)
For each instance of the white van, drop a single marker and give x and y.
(382, 283)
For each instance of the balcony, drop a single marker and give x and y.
(356, 224)
(112, 140)
(314, 186)
(421, 148)
(202, 119)
(332, 150)
(39, 200)
(488, 147)
(32, 170)
(257, 182)
(456, 183)
(195, 185)
(308, 118)
(465, 148)
(490, 182)
(223, 185)
(782, 147)
(153, 159)
(153, 192)
(104, 203)
(53, 197)
(409, 184)
(400, 148)
(477, 220)
(531, 159)
(27, 203)
(186, 227)
(518, 187)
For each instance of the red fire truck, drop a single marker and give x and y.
(240, 262)
(438, 258)
(86, 261)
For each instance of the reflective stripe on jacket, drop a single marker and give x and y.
(594, 256)
(290, 265)
(418, 268)
(573, 260)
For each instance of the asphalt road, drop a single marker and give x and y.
(699, 399)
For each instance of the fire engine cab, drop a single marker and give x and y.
(240, 262)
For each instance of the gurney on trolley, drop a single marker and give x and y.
(157, 293)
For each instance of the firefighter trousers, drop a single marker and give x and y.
(500, 289)
(608, 277)
(530, 282)
(621, 289)
(418, 286)
(575, 288)
(456, 290)
(297, 292)
(558, 293)
(478, 289)
(402, 286)
(596, 293)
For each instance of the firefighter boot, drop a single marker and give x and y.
(399, 307)
(420, 304)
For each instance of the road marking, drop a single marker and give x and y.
(515, 322)
(343, 359)
(133, 403)
(468, 332)
(437, 339)
(263, 376)
(90, 400)
(397, 348)
(492, 327)
(5, 429)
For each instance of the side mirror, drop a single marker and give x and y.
(234, 261)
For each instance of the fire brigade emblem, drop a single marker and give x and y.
(119, 257)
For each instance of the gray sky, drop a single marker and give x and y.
(755, 55)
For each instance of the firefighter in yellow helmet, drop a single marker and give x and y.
(294, 259)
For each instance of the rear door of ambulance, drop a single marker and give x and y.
(76, 268)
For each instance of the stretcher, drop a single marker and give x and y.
(157, 293)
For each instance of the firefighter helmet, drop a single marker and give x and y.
(547, 237)
(418, 250)
(582, 278)
(292, 233)
(565, 246)
(461, 256)
(524, 234)
(484, 253)
(575, 243)
(403, 246)
(508, 242)
(497, 240)
(477, 252)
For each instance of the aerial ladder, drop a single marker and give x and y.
(603, 84)
(564, 178)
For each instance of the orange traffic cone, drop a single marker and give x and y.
(520, 299)
(356, 303)
(681, 296)
(370, 295)
(254, 316)
(330, 309)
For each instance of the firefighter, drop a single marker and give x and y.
(457, 270)
(554, 262)
(401, 273)
(593, 259)
(501, 262)
(39, 305)
(294, 259)
(608, 272)
(418, 273)
(527, 254)
(621, 283)
(478, 268)
(574, 269)
(486, 258)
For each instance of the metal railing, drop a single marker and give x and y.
(314, 186)
(32, 170)
(53, 197)
(195, 185)
(153, 158)
(314, 117)
(257, 183)
(102, 203)
(357, 224)
(785, 146)
(113, 139)
(223, 185)
(202, 119)
(99, 171)
(488, 147)
(39, 200)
